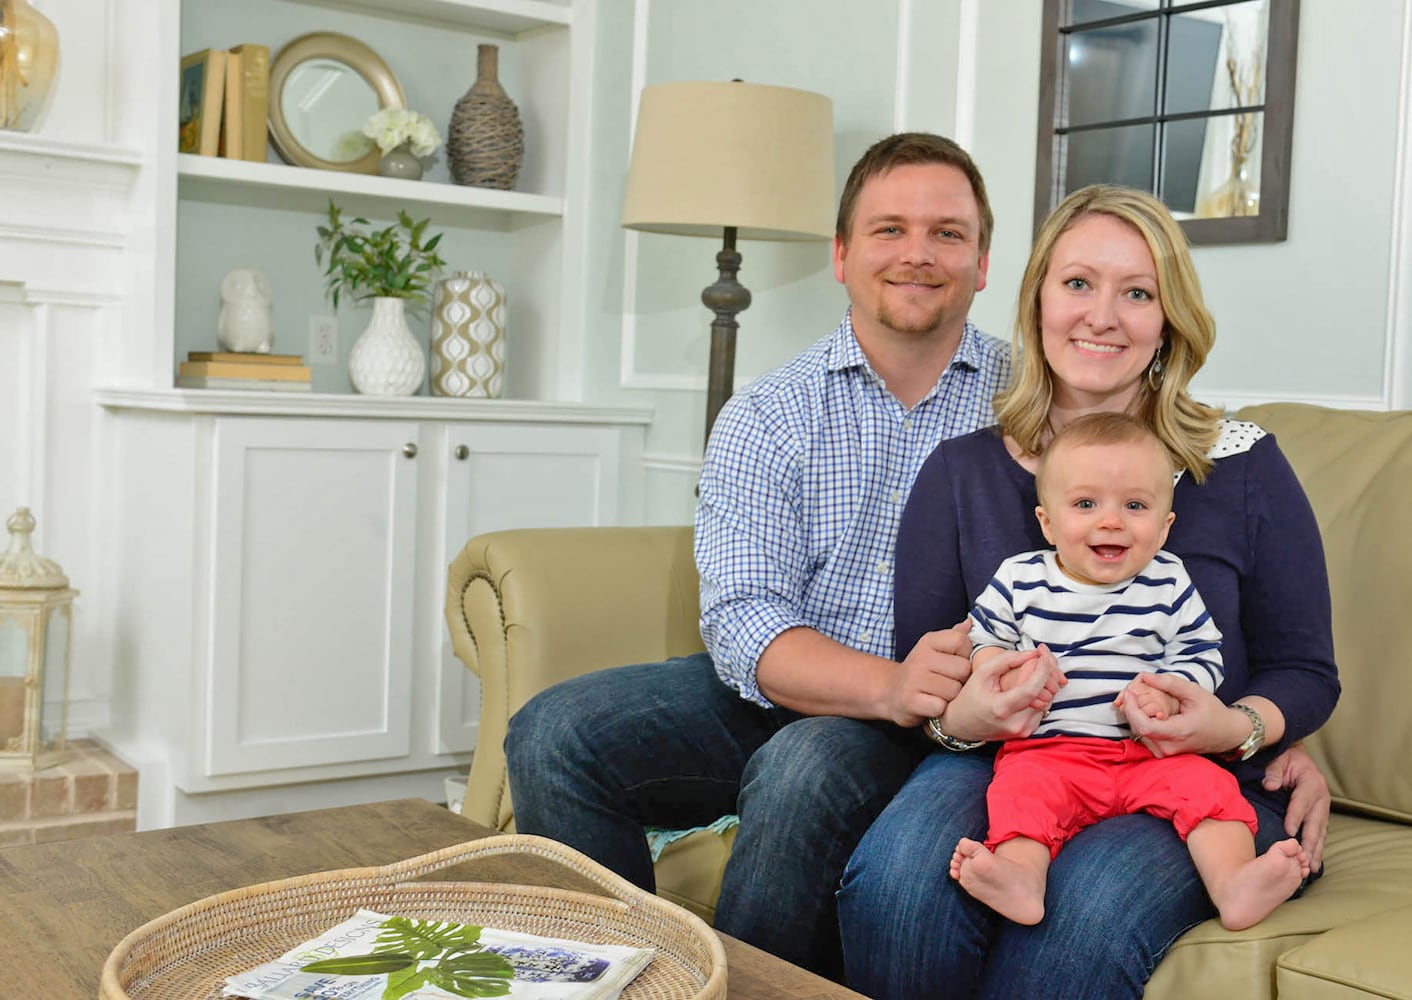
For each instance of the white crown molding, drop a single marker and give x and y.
(24, 144)
(110, 239)
(658, 462)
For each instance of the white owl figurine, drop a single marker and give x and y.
(246, 323)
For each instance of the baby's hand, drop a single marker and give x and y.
(1153, 703)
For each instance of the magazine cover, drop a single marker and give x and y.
(375, 957)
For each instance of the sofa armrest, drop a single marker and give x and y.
(1364, 958)
(531, 607)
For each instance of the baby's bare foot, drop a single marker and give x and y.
(1257, 887)
(1010, 889)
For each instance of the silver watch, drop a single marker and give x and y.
(1255, 740)
(932, 727)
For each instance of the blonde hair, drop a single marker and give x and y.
(1186, 428)
(1109, 428)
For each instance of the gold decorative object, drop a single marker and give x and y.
(1239, 195)
(36, 622)
(29, 57)
(485, 142)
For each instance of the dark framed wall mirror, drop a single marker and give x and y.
(1192, 101)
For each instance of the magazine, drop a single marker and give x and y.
(371, 956)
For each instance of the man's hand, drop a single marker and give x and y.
(1308, 814)
(931, 676)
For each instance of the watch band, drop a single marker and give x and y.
(932, 727)
(1252, 744)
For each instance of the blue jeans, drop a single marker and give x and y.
(595, 759)
(1119, 893)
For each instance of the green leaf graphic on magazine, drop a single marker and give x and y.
(462, 966)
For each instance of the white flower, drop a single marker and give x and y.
(391, 127)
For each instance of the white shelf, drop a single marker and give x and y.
(211, 178)
(330, 404)
(509, 17)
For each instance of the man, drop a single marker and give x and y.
(798, 718)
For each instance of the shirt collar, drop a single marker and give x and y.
(844, 351)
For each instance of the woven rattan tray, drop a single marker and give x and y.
(187, 954)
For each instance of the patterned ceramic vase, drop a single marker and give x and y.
(386, 358)
(468, 336)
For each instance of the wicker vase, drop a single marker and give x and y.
(485, 142)
(29, 57)
(468, 336)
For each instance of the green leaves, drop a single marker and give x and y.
(462, 966)
(392, 262)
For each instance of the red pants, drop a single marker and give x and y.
(1048, 789)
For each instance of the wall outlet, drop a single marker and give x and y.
(323, 340)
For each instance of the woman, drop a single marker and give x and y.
(1111, 318)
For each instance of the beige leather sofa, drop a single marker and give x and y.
(527, 608)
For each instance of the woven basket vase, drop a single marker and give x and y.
(485, 142)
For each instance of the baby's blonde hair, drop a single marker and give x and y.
(1105, 428)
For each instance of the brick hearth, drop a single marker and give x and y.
(92, 792)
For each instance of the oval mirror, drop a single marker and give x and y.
(323, 87)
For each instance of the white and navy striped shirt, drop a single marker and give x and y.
(1102, 635)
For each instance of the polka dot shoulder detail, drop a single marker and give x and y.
(1237, 436)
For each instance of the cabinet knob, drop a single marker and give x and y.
(462, 452)
(409, 449)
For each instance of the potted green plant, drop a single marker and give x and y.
(391, 266)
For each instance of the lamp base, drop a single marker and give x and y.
(726, 298)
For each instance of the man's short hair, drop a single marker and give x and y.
(903, 149)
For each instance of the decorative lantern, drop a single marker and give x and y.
(36, 621)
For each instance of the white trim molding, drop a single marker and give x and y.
(1397, 347)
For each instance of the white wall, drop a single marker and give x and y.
(1321, 317)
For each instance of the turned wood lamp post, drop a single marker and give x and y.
(36, 619)
(741, 161)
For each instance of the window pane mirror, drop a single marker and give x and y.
(1193, 101)
(323, 87)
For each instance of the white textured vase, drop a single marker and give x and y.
(386, 358)
(468, 336)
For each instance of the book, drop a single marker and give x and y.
(248, 358)
(371, 956)
(203, 79)
(241, 384)
(246, 369)
(255, 99)
(232, 117)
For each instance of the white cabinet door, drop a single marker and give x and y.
(511, 475)
(313, 536)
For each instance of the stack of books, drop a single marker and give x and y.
(262, 372)
(225, 102)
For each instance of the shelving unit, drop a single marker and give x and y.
(509, 17)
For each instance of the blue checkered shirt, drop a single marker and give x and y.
(802, 487)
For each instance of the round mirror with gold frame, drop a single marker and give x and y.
(323, 87)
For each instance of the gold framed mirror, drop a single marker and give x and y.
(323, 87)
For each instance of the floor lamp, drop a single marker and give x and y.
(734, 161)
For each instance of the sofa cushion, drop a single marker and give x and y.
(1357, 469)
(1367, 866)
(1366, 958)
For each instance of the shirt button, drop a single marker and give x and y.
(896, 496)
(881, 567)
(865, 637)
(907, 424)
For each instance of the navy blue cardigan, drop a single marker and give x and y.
(1247, 535)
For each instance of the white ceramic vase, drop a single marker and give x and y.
(468, 336)
(386, 359)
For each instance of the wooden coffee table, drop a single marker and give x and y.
(64, 906)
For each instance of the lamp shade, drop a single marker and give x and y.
(754, 157)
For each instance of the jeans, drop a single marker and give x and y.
(1119, 893)
(594, 759)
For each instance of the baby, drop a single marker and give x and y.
(1112, 608)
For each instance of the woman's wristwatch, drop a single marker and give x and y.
(1255, 740)
(932, 727)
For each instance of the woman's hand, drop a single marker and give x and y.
(1006, 697)
(1201, 722)
(1307, 816)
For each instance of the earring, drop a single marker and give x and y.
(1155, 371)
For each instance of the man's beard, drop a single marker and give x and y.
(912, 322)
